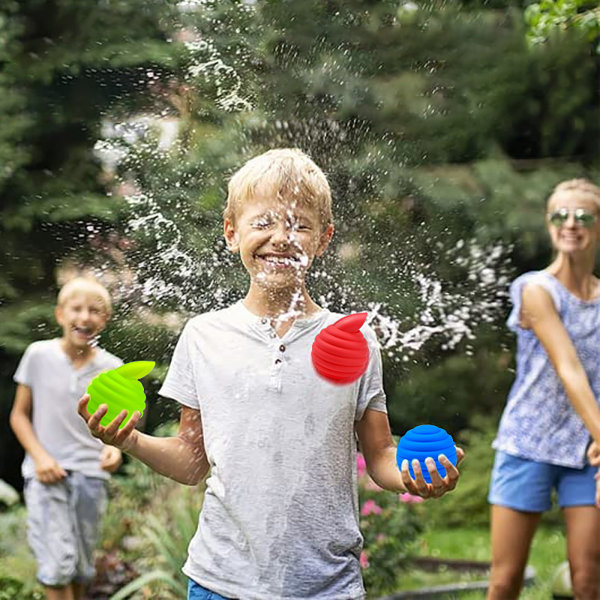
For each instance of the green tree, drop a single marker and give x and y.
(383, 101)
(64, 66)
(549, 16)
(434, 122)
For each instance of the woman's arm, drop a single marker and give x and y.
(378, 448)
(539, 313)
(181, 458)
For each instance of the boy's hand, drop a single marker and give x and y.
(47, 470)
(111, 434)
(593, 454)
(439, 485)
(110, 459)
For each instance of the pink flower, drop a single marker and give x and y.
(370, 507)
(409, 498)
(364, 560)
(361, 465)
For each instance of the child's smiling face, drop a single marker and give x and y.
(82, 317)
(277, 240)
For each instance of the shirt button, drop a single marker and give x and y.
(277, 361)
(263, 321)
(282, 348)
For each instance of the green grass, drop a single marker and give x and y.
(416, 579)
(547, 552)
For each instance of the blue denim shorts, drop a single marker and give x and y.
(527, 485)
(197, 592)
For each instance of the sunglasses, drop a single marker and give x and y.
(580, 216)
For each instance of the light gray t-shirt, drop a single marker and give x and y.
(56, 387)
(280, 515)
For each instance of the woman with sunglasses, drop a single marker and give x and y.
(552, 411)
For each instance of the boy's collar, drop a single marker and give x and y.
(87, 365)
(263, 322)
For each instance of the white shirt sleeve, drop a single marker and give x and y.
(370, 390)
(180, 383)
(25, 370)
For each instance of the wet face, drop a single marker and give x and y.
(573, 222)
(82, 317)
(277, 240)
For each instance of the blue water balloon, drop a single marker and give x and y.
(422, 442)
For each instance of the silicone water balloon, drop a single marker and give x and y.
(422, 442)
(120, 390)
(340, 352)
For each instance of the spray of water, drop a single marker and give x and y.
(166, 271)
(448, 313)
(445, 314)
(208, 65)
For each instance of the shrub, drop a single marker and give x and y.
(390, 524)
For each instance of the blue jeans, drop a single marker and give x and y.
(197, 592)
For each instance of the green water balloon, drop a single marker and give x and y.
(120, 390)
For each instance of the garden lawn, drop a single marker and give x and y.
(547, 552)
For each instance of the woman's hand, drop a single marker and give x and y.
(597, 478)
(110, 459)
(593, 454)
(439, 485)
(123, 439)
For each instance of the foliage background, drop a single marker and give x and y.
(434, 121)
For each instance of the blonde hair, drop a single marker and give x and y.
(85, 285)
(581, 185)
(289, 174)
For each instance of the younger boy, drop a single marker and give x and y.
(280, 512)
(65, 468)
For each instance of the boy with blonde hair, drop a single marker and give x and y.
(65, 468)
(280, 512)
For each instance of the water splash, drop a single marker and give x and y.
(420, 307)
(208, 65)
(446, 311)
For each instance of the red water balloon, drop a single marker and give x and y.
(340, 352)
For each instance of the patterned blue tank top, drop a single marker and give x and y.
(539, 422)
